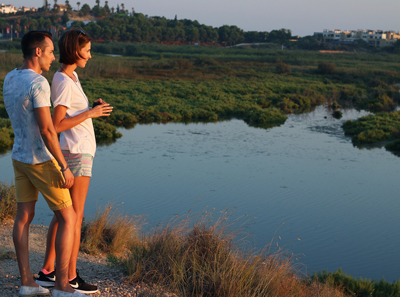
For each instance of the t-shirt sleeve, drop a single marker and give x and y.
(41, 93)
(61, 92)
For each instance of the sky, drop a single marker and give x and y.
(302, 17)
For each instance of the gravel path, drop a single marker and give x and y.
(93, 269)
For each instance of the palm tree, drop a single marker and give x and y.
(98, 3)
(55, 3)
(79, 4)
(106, 3)
(123, 7)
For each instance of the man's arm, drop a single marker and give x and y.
(49, 135)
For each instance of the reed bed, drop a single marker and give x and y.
(110, 232)
(198, 255)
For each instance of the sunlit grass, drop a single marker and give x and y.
(200, 255)
(8, 204)
(110, 232)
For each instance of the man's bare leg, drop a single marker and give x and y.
(24, 217)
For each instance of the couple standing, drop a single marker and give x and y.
(61, 171)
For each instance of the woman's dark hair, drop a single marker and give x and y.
(32, 40)
(70, 43)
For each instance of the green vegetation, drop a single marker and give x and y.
(358, 287)
(160, 83)
(8, 204)
(374, 128)
(6, 135)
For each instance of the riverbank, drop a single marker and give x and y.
(94, 269)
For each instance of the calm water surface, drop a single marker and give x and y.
(340, 201)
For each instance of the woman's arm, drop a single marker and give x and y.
(61, 123)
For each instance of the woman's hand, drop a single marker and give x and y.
(101, 110)
(98, 102)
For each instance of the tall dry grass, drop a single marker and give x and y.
(8, 204)
(110, 233)
(201, 257)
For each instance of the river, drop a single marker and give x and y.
(302, 185)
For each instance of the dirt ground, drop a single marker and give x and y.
(93, 269)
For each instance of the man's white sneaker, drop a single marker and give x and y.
(58, 293)
(33, 291)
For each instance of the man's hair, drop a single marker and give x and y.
(70, 43)
(33, 40)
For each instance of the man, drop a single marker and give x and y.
(38, 161)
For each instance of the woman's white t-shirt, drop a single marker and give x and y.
(64, 91)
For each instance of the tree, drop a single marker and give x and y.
(230, 34)
(47, 24)
(98, 3)
(192, 33)
(85, 9)
(69, 8)
(3, 24)
(65, 18)
(34, 24)
(279, 35)
(106, 8)
(55, 4)
(123, 7)
(79, 4)
(94, 30)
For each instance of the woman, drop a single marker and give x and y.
(72, 117)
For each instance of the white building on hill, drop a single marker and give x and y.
(8, 8)
(376, 38)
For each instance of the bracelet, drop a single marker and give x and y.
(63, 169)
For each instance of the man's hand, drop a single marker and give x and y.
(69, 179)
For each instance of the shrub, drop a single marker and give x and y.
(267, 117)
(358, 287)
(8, 204)
(337, 114)
(109, 233)
(282, 67)
(326, 68)
(105, 133)
(6, 135)
(374, 128)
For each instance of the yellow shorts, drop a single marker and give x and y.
(45, 177)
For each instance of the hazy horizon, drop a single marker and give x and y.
(302, 18)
